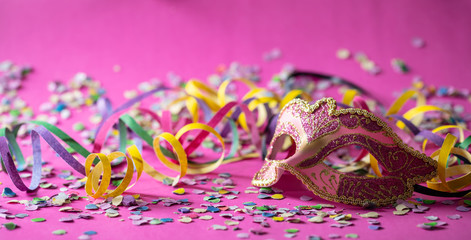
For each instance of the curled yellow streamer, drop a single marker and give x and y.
(183, 167)
(103, 168)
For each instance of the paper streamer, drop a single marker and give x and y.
(255, 113)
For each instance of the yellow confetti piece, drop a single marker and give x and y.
(278, 219)
(199, 210)
(401, 207)
(401, 212)
(316, 219)
(251, 191)
(117, 200)
(206, 217)
(185, 220)
(179, 191)
(287, 215)
(277, 196)
(321, 213)
(370, 215)
(223, 191)
(231, 223)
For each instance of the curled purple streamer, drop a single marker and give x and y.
(36, 133)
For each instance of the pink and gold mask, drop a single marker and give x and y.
(320, 129)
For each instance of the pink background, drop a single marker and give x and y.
(191, 38)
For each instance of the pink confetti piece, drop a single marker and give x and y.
(454, 217)
(257, 231)
(139, 222)
(198, 191)
(374, 227)
(432, 218)
(66, 219)
(243, 235)
(463, 209)
(305, 198)
(31, 208)
(334, 236)
(373, 221)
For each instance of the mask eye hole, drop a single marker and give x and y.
(352, 160)
(283, 147)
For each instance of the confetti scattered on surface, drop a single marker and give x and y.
(59, 232)
(38, 220)
(7, 192)
(179, 191)
(220, 197)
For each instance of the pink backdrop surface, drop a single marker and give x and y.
(150, 38)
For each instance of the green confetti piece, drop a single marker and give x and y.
(318, 206)
(208, 144)
(10, 226)
(292, 230)
(167, 181)
(70, 150)
(351, 235)
(276, 78)
(45, 185)
(262, 208)
(426, 201)
(212, 199)
(15, 113)
(155, 222)
(217, 189)
(266, 190)
(116, 182)
(78, 127)
(69, 178)
(175, 117)
(37, 200)
(467, 202)
(59, 232)
(433, 224)
(38, 220)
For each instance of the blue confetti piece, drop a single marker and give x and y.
(184, 210)
(143, 208)
(374, 227)
(90, 232)
(91, 206)
(249, 203)
(213, 209)
(266, 214)
(166, 220)
(7, 192)
(263, 196)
